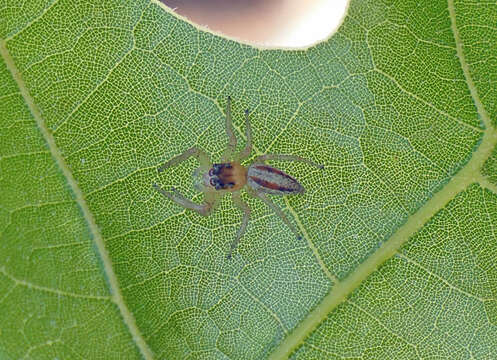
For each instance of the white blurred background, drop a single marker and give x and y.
(273, 23)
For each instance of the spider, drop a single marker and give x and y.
(216, 180)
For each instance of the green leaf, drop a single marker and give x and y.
(398, 254)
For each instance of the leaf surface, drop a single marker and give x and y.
(397, 258)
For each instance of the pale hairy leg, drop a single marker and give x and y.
(245, 153)
(283, 157)
(276, 209)
(237, 200)
(203, 209)
(198, 153)
(230, 149)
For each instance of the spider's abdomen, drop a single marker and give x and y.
(267, 179)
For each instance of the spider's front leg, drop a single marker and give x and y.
(245, 153)
(230, 149)
(211, 198)
(203, 209)
(201, 156)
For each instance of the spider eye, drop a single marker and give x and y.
(211, 172)
(216, 169)
(213, 181)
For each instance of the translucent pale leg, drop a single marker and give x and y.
(201, 156)
(276, 209)
(245, 153)
(203, 209)
(282, 157)
(230, 132)
(237, 200)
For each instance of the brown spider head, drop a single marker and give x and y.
(225, 176)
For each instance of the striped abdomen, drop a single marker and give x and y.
(265, 178)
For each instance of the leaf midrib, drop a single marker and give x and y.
(468, 174)
(116, 295)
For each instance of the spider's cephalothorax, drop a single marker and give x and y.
(230, 176)
(226, 176)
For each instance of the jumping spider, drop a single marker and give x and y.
(230, 176)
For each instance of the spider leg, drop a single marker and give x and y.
(204, 209)
(230, 132)
(265, 157)
(202, 157)
(245, 153)
(237, 200)
(276, 209)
